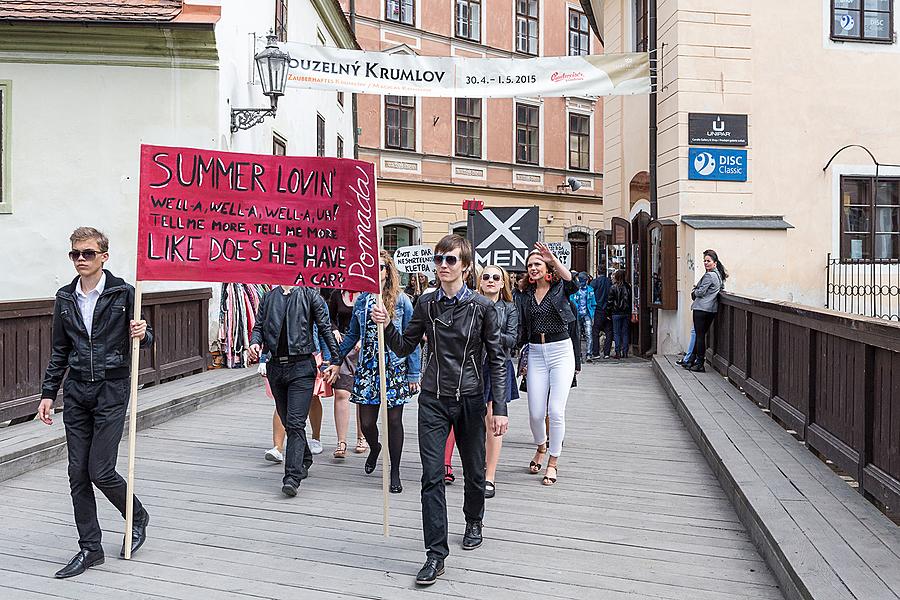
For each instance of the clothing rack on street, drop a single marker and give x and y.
(237, 315)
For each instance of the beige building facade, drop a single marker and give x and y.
(431, 154)
(812, 76)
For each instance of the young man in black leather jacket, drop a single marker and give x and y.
(92, 331)
(284, 327)
(460, 326)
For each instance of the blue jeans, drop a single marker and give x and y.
(587, 328)
(688, 356)
(620, 333)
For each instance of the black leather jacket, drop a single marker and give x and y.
(508, 319)
(558, 293)
(300, 309)
(106, 352)
(457, 340)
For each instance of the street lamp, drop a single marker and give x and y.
(273, 65)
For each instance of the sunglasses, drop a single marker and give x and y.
(449, 260)
(87, 255)
(488, 277)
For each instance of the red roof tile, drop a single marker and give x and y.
(93, 11)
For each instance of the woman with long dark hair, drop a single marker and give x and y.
(402, 373)
(706, 305)
(544, 316)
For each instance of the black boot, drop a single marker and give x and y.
(472, 538)
(430, 571)
(84, 560)
(698, 367)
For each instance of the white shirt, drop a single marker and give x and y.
(88, 301)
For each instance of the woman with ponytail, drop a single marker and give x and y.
(706, 305)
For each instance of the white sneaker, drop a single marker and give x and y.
(274, 455)
(315, 446)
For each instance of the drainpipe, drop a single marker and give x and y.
(353, 105)
(654, 63)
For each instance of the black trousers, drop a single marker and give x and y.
(602, 323)
(292, 386)
(436, 416)
(703, 320)
(94, 416)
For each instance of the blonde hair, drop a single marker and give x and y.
(83, 234)
(391, 288)
(505, 287)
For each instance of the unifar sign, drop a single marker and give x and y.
(717, 129)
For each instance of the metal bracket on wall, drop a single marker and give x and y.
(245, 118)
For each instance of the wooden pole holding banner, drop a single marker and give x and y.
(132, 419)
(385, 452)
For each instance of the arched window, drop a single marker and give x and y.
(397, 236)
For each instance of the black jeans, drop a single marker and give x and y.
(602, 323)
(94, 416)
(436, 416)
(292, 385)
(703, 320)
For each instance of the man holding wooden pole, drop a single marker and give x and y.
(461, 326)
(90, 340)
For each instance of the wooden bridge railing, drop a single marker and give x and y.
(833, 378)
(180, 320)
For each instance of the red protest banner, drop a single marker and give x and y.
(206, 215)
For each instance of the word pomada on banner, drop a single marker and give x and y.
(414, 259)
(366, 72)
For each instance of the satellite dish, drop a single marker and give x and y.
(574, 184)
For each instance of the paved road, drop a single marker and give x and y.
(636, 514)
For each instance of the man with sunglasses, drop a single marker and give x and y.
(91, 339)
(461, 326)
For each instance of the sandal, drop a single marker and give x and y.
(341, 450)
(448, 475)
(361, 445)
(550, 480)
(535, 467)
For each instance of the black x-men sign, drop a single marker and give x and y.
(504, 236)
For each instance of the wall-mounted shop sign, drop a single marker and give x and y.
(715, 164)
(717, 129)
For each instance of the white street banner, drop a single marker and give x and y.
(414, 259)
(318, 67)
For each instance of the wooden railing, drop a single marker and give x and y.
(831, 377)
(180, 320)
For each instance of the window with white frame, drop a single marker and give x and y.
(320, 135)
(281, 20)
(468, 127)
(400, 122)
(579, 142)
(862, 20)
(579, 33)
(641, 10)
(400, 11)
(870, 218)
(527, 134)
(468, 19)
(340, 147)
(527, 24)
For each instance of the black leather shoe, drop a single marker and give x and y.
(489, 489)
(698, 367)
(138, 534)
(289, 490)
(372, 460)
(472, 538)
(397, 489)
(430, 571)
(84, 560)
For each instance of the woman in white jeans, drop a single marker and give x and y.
(544, 316)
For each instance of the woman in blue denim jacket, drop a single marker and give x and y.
(402, 373)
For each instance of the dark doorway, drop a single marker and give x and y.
(579, 243)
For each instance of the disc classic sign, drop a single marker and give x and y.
(205, 215)
(505, 236)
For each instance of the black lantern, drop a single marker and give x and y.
(273, 65)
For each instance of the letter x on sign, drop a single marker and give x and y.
(504, 228)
